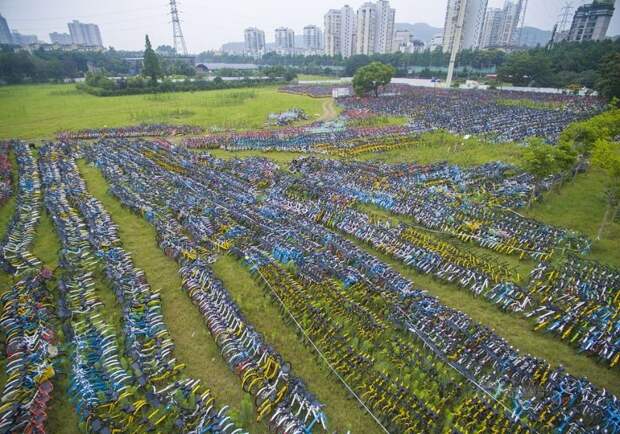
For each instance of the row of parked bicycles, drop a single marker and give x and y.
(105, 385)
(504, 116)
(311, 138)
(28, 317)
(142, 130)
(207, 204)
(6, 185)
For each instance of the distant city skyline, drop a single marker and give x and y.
(207, 26)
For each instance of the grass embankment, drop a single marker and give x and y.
(39, 111)
(580, 205)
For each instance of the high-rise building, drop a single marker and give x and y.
(5, 33)
(385, 27)
(591, 21)
(508, 35)
(367, 23)
(285, 40)
(254, 41)
(492, 27)
(61, 38)
(464, 17)
(313, 38)
(20, 39)
(347, 31)
(339, 35)
(332, 23)
(85, 34)
(375, 28)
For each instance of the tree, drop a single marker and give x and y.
(371, 77)
(609, 83)
(542, 159)
(606, 155)
(151, 67)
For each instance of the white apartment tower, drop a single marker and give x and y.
(285, 40)
(332, 23)
(313, 38)
(472, 13)
(511, 16)
(340, 27)
(85, 34)
(492, 27)
(385, 27)
(375, 28)
(347, 31)
(367, 23)
(254, 41)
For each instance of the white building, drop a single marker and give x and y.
(472, 13)
(591, 21)
(511, 15)
(313, 39)
(385, 27)
(492, 27)
(367, 23)
(285, 40)
(85, 34)
(348, 31)
(436, 42)
(339, 35)
(332, 22)
(254, 41)
(375, 28)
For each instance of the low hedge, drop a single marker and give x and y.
(165, 87)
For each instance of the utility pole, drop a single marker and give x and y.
(456, 45)
(177, 33)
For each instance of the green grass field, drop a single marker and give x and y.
(315, 77)
(39, 111)
(36, 112)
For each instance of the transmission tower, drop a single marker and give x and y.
(177, 32)
(565, 18)
(521, 21)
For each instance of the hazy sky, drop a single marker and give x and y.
(208, 23)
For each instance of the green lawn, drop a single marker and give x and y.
(580, 205)
(315, 77)
(39, 111)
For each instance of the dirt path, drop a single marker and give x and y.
(329, 111)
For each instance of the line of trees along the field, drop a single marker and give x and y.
(591, 64)
(154, 80)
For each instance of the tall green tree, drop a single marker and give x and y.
(151, 66)
(542, 159)
(606, 155)
(609, 84)
(371, 77)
